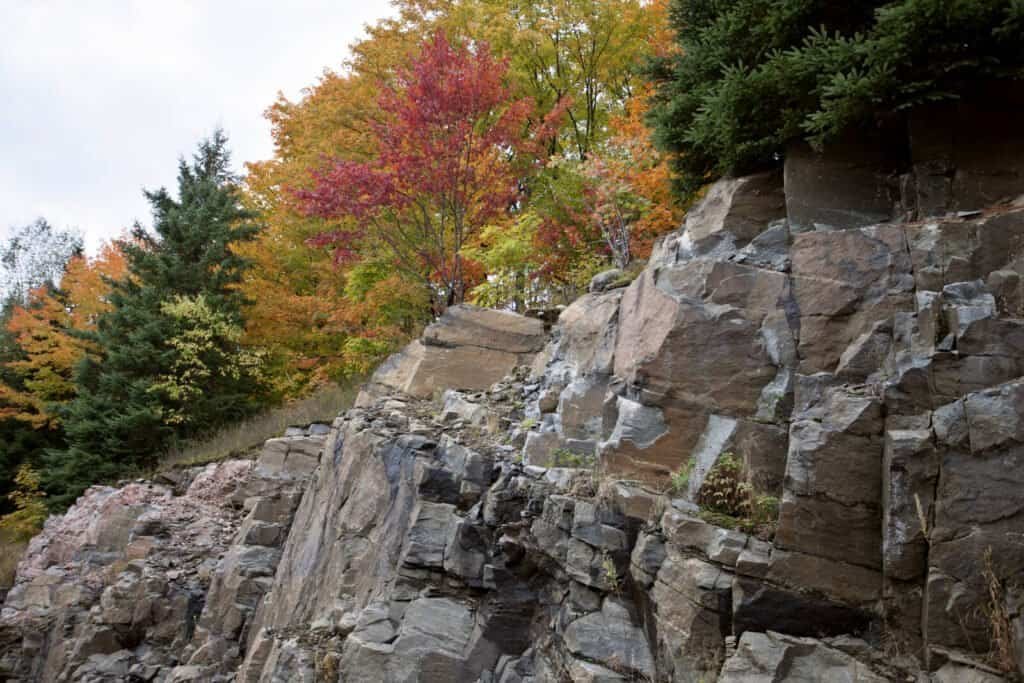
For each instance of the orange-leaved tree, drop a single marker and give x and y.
(444, 167)
(630, 187)
(46, 330)
(299, 309)
(608, 207)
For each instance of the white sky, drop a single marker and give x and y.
(98, 98)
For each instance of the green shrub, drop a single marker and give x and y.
(29, 507)
(728, 500)
(681, 478)
(764, 516)
(563, 457)
(752, 75)
(725, 489)
(611, 572)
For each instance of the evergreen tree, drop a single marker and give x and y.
(752, 75)
(170, 365)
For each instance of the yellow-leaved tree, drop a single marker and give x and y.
(29, 504)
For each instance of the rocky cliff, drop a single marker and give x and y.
(792, 449)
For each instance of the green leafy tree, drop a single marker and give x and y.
(753, 75)
(507, 252)
(159, 375)
(579, 53)
(207, 359)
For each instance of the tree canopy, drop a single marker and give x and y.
(752, 75)
(166, 359)
(479, 150)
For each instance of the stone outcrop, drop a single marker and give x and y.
(467, 348)
(966, 154)
(511, 505)
(133, 581)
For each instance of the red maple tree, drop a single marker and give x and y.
(448, 140)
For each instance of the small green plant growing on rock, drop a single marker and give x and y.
(563, 457)
(728, 500)
(680, 479)
(725, 489)
(611, 572)
(764, 516)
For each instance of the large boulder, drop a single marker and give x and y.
(610, 638)
(844, 283)
(979, 515)
(683, 350)
(834, 480)
(467, 348)
(775, 657)
(692, 605)
(741, 218)
(588, 332)
(737, 208)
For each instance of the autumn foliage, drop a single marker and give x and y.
(335, 286)
(447, 138)
(47, 331)
(467, 150)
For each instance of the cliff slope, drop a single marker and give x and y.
(509, 503)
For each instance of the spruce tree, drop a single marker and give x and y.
(161, 374)
(752, 75)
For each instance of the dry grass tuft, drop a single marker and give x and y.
(241, 439)
(1002, 655)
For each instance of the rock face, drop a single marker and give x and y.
(510, 506)
(133, 581)
(966, 153)
(468, 348)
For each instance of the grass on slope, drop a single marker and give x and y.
(322, 406)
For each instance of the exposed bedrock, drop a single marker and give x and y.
(510, 504)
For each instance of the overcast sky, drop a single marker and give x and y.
(98, 99)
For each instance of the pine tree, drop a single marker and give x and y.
(128, 409)
(752, 75)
